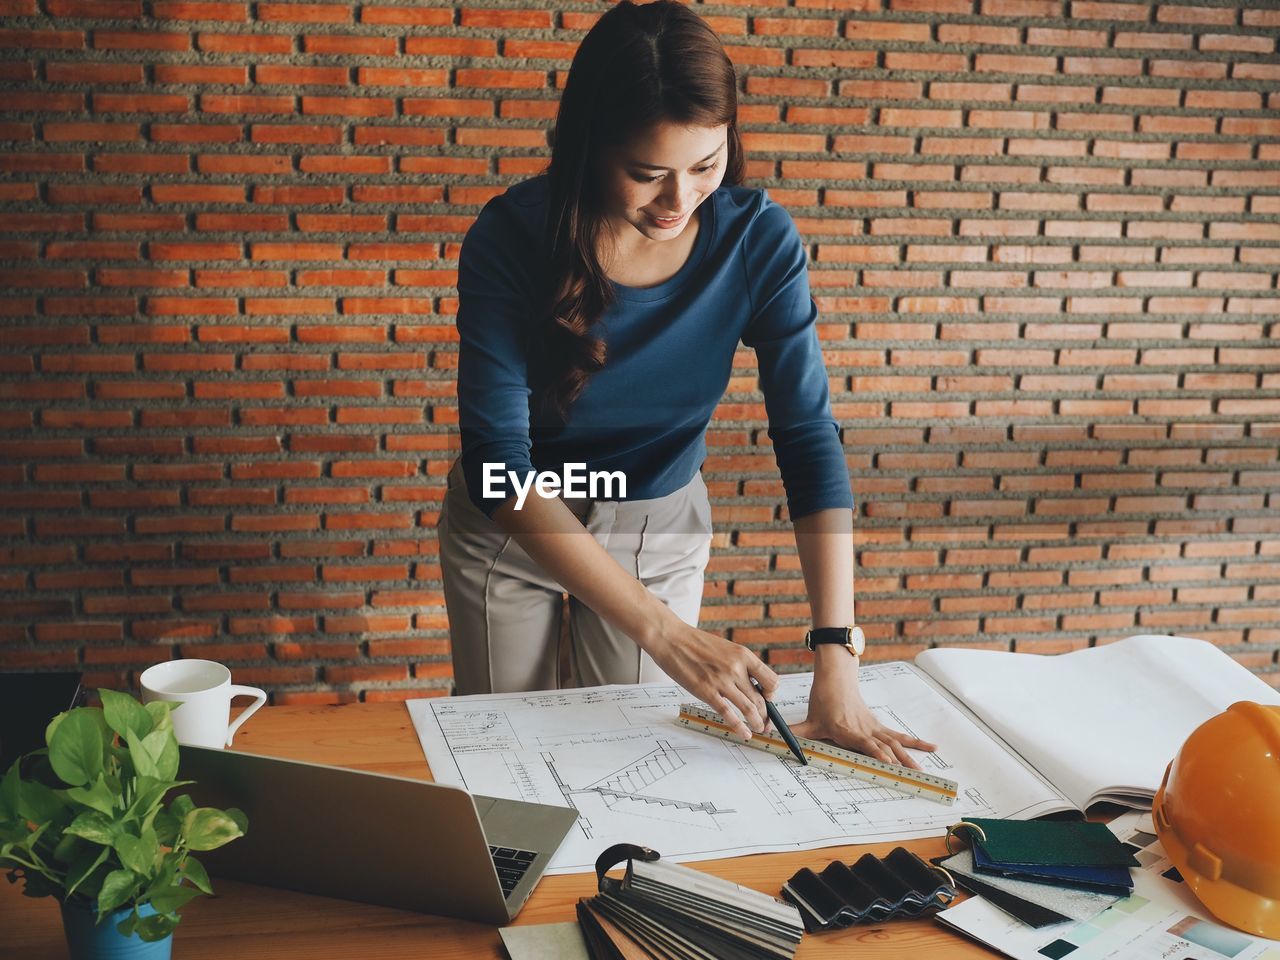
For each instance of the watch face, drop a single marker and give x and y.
(857, 640)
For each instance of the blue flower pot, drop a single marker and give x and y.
(102, 941)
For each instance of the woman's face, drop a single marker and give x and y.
(657, 180)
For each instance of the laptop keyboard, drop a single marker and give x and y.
(512, 865)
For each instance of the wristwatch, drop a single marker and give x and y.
(850, 638)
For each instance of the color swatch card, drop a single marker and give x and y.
(1049, 843)
(1102, 879)
(1036, 904)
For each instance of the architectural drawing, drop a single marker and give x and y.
(616, 755)
(630, 785)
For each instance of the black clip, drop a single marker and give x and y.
(615, 855)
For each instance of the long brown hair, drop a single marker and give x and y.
(641, 64)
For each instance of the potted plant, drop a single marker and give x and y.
(85, 820)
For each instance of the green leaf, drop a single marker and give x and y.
(207, 828)
(117, 887)
(75, 750)
(163, 747)
(122, 713)
(83, 868)
(167, 827)
(166, 876)
(194, 871)
(68, 848)
(7, 850)
(237, 815)
(174, 898)
(161, 713)
(181, 806)
(127, 925)
(156, 927)
(94, 826)
(38, 803)
(143, 763)
(151, 845)
(53, 725)
(14, 848)
(96, 796)
(138, 854)
(38, 833)
(148, 792)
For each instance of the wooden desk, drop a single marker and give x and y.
(244, 920)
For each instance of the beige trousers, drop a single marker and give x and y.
(505, 611)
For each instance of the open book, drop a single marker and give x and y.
(1099, 724)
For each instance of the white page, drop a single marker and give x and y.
(545, 941)
(618, 756)
(1103, 720)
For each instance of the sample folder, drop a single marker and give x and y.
(665, 911)
(1086, 856)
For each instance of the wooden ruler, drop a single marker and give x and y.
(828, 757)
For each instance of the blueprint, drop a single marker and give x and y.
(617, 756)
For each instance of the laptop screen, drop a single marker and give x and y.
(28, 701)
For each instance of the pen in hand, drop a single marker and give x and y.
(775, 717)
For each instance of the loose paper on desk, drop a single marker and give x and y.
(617, 756)
(545, 941)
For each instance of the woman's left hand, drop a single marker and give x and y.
(838, 714)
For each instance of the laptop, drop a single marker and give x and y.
(373, 837)
(28, 701)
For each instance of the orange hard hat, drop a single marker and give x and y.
(1217, 814)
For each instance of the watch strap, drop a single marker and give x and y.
(827, 635)
(850, 637)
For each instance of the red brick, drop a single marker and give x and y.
(314, 697)
(373, 673)
(304, 13)
(406, 16)
(200, 10)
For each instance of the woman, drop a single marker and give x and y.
(600, 305)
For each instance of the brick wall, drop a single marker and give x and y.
(1044, 238)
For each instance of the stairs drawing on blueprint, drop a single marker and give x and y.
(623, 791)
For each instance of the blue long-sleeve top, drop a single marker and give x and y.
(670, 355)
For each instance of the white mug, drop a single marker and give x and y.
(204, 690)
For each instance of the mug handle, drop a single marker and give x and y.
(237, 691)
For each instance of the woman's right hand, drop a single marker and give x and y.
(716, 671)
